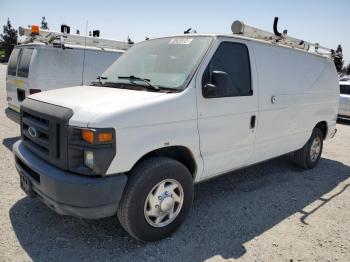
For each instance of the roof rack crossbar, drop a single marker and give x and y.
(62, 39)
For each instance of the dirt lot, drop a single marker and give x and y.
(269, 212)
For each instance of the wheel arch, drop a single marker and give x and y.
(323, 126)
(179, 153)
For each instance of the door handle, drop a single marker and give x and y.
(252, 122)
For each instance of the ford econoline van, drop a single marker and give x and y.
(169, 113)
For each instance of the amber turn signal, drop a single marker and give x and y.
(105, 137)
(88, 135)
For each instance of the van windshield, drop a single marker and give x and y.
(166, 62)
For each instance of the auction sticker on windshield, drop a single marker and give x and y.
(180, 41)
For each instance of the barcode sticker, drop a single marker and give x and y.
(180, 41)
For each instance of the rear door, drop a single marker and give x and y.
(226, 120)
(17, 81)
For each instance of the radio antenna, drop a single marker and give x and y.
(82, 73)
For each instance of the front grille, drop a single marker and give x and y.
(44, 130)
(39, 138)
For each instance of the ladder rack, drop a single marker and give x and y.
(62, 39)
(239, 28)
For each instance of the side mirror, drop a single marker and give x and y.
(219, 85)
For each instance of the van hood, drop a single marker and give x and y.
(92, 100)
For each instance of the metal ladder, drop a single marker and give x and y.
(63, 39)
(239, 28)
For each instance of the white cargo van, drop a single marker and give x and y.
(40, 66)
(344, 104)
(167, 114)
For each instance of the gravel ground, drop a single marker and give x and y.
(269, 212)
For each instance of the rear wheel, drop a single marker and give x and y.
(158, 197)
(308, 156)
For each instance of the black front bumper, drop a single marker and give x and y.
(68, 193)
(13, 115)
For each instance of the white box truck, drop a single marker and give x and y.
(48, 60)
(169, 113)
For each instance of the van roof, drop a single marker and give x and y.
(43, 45)
(272, 44)
(242, 37)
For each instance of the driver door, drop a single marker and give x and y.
(227, 108)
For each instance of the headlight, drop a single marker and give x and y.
(89, 159)
(91, 150)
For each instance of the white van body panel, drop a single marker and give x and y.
(224, 123)
(292, 92)
(344, 103)
(98, 107)
(52, 68)
(178, 114)
(309, 97)
(89, 101)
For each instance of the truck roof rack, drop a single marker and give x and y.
(239, 28)
(34, 34)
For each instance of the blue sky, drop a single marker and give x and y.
(323, 21)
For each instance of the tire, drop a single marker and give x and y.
(303, 157)
(143, 179)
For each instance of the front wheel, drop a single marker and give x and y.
(308, 156)
(158, 197)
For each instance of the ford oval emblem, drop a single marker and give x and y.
(32, 132)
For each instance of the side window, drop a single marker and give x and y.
(345, 89)
(23, 66)
(12, 65)
(228, 73)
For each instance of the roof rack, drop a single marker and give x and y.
(276, 37)
(57, 39)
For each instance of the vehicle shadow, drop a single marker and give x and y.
(8, 142)
(227, 212)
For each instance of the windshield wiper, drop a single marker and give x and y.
(147, 81)
(102, 78)
(99, 82)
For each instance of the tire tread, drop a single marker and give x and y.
(301, 156)
(135, 179)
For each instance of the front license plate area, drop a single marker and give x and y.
(26, 186)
